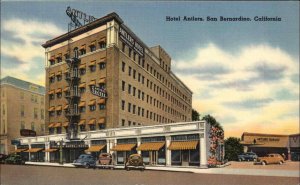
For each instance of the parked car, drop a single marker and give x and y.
(2, 158)
(248, 156)
(85, 160)
(105, 159)
(14, 159)
(135, 161)
(270, 159)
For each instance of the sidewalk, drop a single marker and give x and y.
(224, 170)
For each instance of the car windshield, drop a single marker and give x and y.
(81, 156)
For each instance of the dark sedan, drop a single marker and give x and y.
(85, 160)
(14, 159)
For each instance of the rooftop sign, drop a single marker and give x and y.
(131, 42)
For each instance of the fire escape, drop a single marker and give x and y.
(73, 96)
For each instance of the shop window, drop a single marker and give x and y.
(102, 106)
(92, 107)
(102, 65)
(175, 156)
(194, 156)
(162, 156)
(92, 127)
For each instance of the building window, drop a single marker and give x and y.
(133, 109)
(123, 105)
(142, 112)
(92, 68)
(123, 66)
(82, 109)
(143, 63)
(143, 79)
(129, 107)
(59, 95)
(82, 90)
(139, 77)
(82, 127)
(101, 126)
(134, 72)
(133, 91)
(51, 130)
(139, 111)
(129, 52)
(129, 123)
(32, 126)
(58, 113)
(129, 89)
(129, 71)
(123, 122)
(102, 85)
(123, 86)
(58, 130)
(22, 125)
(22, 110)
(82, 71)
(42, 100)
(123, 46)
(92, 127)
(59, 78)
(82, 51)
(102, 65)
(52, 79)
(143, 95)
(51, 96)
(35, 113)
(102, 45)
(92, 48)
(139, 94)
(101, 106)
(92, 107)
(42, 114)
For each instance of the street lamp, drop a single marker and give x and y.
(61, 143)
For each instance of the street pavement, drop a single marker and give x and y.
(46, 175)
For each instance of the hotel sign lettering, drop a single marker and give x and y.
(131, 42)
(98, 91)
(264, 139)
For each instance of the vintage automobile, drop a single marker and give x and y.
(14, 159)
(105, 159)
(248, 156)
(2, 158)
(270, 159)
(135, 161)
(85, 160)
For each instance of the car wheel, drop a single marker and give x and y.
(87, 165)
(264, 163)
(280, 162)
(240, 160)
(127, 168)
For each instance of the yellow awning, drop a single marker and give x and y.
(102, 81)
(101, 121)
(20, 150)
(67, 70)
(66, 89)
(155, 146)
(57, 125)
(51, 109)
(123, 147)
(93, 43)
(95, 148)
(34, 150)
(92, 121)
(81, 122)
(93, 82)
(66, 106)
(58, 108)
(81, 104)
(82, 47)
(92, 102)
(58, 73)
(82, 66)
(183, 145)
(58, 90)
(51, 92)
(52, 75)
(50, 150)
(51, 125)
(101, 101)
(92, 63)
(102, 60)
(65, 124)
(82, 85)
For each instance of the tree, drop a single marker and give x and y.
(212, 121)
(195, 115)
(233, 148)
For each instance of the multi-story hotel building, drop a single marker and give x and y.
(134, 83)
(22, 107)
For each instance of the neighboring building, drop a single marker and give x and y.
(262, 144)
(134, 83)
(22, 107)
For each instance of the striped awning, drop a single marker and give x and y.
(183, 145)
(101, 101)
(101, 121)
(51, 75)
(51, 92)
(58, 90)
(65, 124)
(102, 60)
(95, 148)
(50, 150)
(82, 66)
(93, 43)
(58, 73)
(92, 121)
(57, 125)
(81, 122)
(34, 150)
(51, 125)
(82, 85)
(93, 82)
(92, 63)
(92, 102)
(102, 81)
(20, 150)
(154, 146)
(58, 108)
(67, 70)
(66, 106)
(82, 47)
(123, 147)
(51, 109)
(81, 104)
(66, 89)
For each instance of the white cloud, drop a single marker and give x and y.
(255, 73)
(25, 47)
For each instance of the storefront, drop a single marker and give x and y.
(153, 150)
(97, 147)
(35, 153)
(123, 149)
(71, 150)
(20, 151)
(294, 147)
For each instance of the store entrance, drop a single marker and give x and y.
(185, 157)
(153, 157)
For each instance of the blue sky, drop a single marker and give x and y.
(233, 68)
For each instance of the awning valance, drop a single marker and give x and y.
(183, 145)
(34, 150)
(82, 85)
(155, 146)
(66, 89)
(58, 108)
(123, 147)
(95, 148)
(82, 47)
(81, 122)
(102, 81)
(66, 106)
(101, 101)
(92, 63)
(92, 102)
(57, 125)
(93, 82)
(101, 121)
(82, 66)
(51, 109)
(81, 104)
(50, 150)
(20, 150)
(65, 124)
(51, 125)
(58, 90)
(51, 92)
(92, 121)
